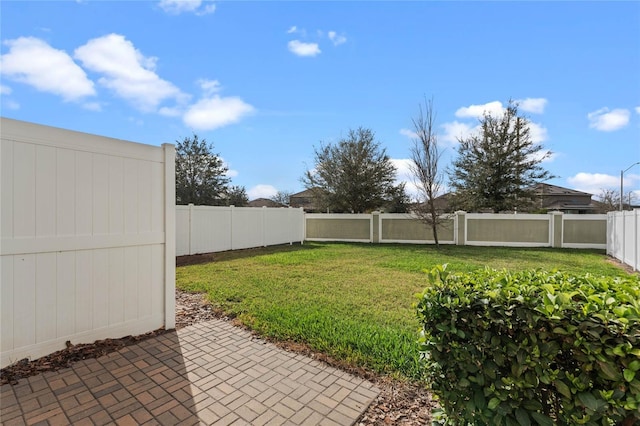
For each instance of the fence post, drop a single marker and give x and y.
(460, 223)
(556, 229)
(624, 236)
(264, 226)
(190, 228)
(304, 225)
(231, 213)
(636, 242)
(169, 236)
(375, 227)
(609, 234)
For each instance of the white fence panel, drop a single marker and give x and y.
(623, 237)
(87, 238)
(208, 229)
(281, 227)
(248, 228)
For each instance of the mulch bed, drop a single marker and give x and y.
(399, 402)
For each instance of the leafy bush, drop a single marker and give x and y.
(532, 347)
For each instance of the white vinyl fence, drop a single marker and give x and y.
(87, 238)
(207, 229)
(623, 237)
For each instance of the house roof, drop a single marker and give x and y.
(305, 193)
(264, 202)
(548, 189)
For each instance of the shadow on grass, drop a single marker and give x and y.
(242, 253)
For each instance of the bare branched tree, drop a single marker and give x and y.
(282, 197)
(610, 200)
(425, 156)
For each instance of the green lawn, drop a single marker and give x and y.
(354, 302)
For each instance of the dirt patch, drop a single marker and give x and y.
(399, 402)
(194, 259)
(621, 265)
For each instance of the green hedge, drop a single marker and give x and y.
(532, 347)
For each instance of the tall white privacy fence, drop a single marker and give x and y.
(623, 237)
(206, 229)
(87, 238)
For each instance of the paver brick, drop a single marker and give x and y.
(209, 373)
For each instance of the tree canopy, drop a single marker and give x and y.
(353, 175)
(200, 174)
(237, 196)
(282, 197)
(498, 167)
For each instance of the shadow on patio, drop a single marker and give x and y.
(208, 373)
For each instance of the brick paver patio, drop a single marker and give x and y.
(208, 373)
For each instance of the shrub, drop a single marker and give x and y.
(532, 347)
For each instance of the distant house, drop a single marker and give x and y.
(548, 198)
(557, 198)
(305, 199)
(264, 202)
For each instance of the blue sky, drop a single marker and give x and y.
(267, 81)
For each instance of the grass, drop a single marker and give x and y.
(354, 302)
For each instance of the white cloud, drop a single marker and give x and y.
(213, 112)
(593, 183)
(5, 90)
(209, 87)
(608, 121)
(405, 175)
(409, 133)
(532, 105)
(336, 38)
(456, 130)
(537, 132)
(292, 30)
(494, 108)
(127, 72)
(300, 48)
(231, 173)
(176, 7)
(638, 109)
(34, 62)
(170, 112)
(261, 191)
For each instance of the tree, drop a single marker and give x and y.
(237, 196)
(399, 200)
(282, 197)
(498, 168)
(609, 200)
(425, 156)
(200, 174)
(355, 175)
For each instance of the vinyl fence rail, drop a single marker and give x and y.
(207, 229)
(87, 238)
(623, 237)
